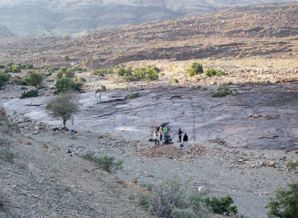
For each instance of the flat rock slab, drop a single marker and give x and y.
(263, 117)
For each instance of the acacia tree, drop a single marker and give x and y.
(34, 79)
(62, 106)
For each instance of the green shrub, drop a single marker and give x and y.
(224, 91)
(7, 155)
(49, 80)
(172, 198)
(88, 155)
(134, 95)
(175, 80)
(9, 64)
(69, 73)
(66, 37)
(148, 73)
(222, 205)
(102, 89)
(19, 81)
(16, 68)
(34, 79)
(27, 66)
(66, 84)
(29, 94)
(195, 68)
(2, 66)
(99, 72)
(80, 79)
(4, 78)
(204, 88)
(292, 164)
(210, 72)
(55, 129)
(24, 88)
(109, 164)
(66, 58)
(285, 203)
(105, 162)
(53, 68)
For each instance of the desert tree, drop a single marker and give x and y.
(63, 106)
(34, 79)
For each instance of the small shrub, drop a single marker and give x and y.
(195, 68)
(210, 72)
(4, 78)
(2, 66)
(55, 129)
(66, 58)
(9, 64)
(7, 155)
(105, 162)
(102, 89)
(172, 198)
(175, 80)
(16, 68)
(29, 94)
(53, 68)
(204, 88)
(292, 164)
(66, 37)
(88, 155)
(222, 205)
(224, 91)
(285, 203)
(134, 95)
(109, 164)
(24, 88)
(49, 80)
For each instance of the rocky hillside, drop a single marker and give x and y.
(267, 31)
(40, 17)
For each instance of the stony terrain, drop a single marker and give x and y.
(52, 166)
(32, 18)
(240, 145)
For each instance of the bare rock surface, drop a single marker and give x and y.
(263, 117)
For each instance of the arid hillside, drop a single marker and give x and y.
(262, 31)
(40, 17)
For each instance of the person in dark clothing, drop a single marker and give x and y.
(185, 140)
(180, 132)
(167, 138)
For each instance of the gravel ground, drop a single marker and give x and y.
(249, 176)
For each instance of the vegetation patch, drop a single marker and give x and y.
(67, 84)
(172, 197)
(148, 73)
(221, 206)
(4, 78)
(285, 203)
(105, 162)
(224, 91)
(29, 94)
(195, 69)
(212, 72)
(134, 95)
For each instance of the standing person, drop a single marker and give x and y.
(180, 132)
(165, 130)
(155, 137)
(167, 138)
(98, 95)
(185, 140)
(160, 133)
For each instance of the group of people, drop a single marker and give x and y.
(158, 135)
